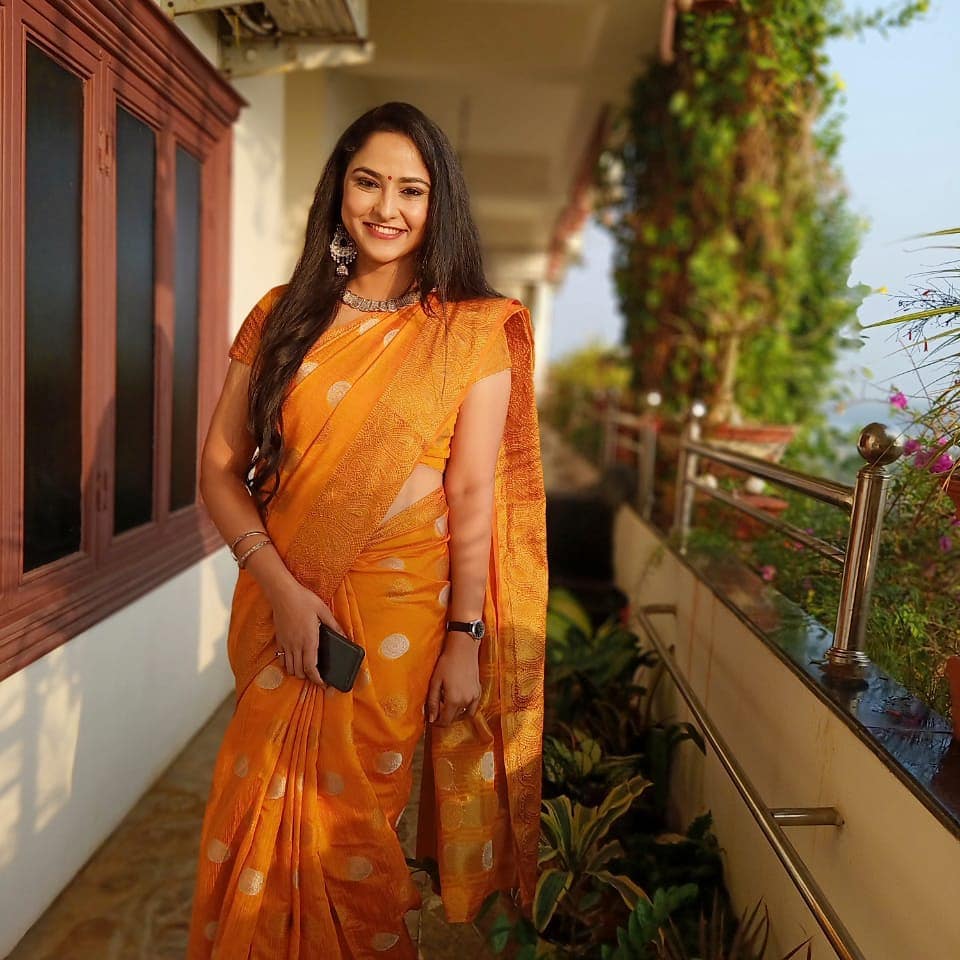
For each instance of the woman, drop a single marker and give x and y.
(374, 462)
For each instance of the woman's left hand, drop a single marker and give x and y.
(455, 685)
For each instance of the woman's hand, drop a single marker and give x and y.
(297, 613)
(455, 684)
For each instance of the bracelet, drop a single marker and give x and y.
(243, 536)
(242, 558)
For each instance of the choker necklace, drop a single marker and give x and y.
(379, 306)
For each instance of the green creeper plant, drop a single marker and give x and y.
(732, 230)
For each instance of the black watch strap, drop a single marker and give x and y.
(474, 627)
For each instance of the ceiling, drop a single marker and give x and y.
(525, 89)
(520, 86)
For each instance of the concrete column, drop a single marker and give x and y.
(521, 274)
(541, 310)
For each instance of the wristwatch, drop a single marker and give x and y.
(474, 627)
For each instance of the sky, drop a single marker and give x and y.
(900, 160)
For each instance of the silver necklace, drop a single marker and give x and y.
(379, 306)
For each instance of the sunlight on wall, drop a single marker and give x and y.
(60, 700)
(12, 711)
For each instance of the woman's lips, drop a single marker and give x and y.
(382, 232)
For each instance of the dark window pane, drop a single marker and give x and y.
(133, 476)
(183, 467)
(52, 276)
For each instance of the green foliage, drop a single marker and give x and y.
(641, 938)
(582, 765)
(582, 662)
(604, 840)
(577, 854)
(748, 943)
(912, 627)
(573, 383)
(733, 234)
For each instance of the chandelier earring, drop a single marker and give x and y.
(343, 250)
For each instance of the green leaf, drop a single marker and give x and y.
(499, 935)
(562, 603)
(617, 802)
(629, 891)
(551, 887)
(557, 823)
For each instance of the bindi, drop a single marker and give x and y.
(389, 177)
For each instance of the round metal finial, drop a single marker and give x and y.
(698, 410)
(654, 399)
(877, 447)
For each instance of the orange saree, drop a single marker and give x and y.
(299, 855)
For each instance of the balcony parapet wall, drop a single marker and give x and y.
(889, 871)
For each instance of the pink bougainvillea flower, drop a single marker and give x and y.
(911, 445)
(946, 544)
(923, 458)
(898, 399)
(768, 572)
(943, 464)
(943, 441)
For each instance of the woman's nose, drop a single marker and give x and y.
(386, 205)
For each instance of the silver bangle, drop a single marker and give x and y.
(243, 536)
(241, 560)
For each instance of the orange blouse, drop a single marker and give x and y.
(496, 358)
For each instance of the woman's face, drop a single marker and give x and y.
(386, 194)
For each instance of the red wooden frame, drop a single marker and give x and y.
(126, 52)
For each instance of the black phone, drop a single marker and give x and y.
(338, 659)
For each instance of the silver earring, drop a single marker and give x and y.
(343, 250)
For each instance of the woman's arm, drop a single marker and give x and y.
(469, 486)
(223, 465)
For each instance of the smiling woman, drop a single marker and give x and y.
(386, 199)
(373, 454)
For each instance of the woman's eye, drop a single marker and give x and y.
(366, 182)
(413, 192)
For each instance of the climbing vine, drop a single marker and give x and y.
(733, 234)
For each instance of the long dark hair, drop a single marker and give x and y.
(449, 265)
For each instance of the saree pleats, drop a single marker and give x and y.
(299, 853)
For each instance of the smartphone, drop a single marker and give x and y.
(338, 659)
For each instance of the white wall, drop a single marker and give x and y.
(890, 871)
(261, 249)
(85, 730)
(320, 105)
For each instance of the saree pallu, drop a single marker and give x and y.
(299, 854)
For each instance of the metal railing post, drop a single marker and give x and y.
(686, 474)
(610, 428)
(846, 660)
(647, 468)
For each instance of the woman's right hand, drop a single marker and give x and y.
(297, 613)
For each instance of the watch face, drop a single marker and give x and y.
(477, 630)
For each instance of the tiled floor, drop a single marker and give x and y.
(131, 901)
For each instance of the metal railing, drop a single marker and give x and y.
(636, 433)
(846, 661)
(770, 820)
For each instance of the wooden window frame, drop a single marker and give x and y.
(126, 54)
